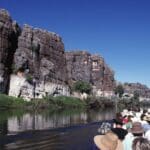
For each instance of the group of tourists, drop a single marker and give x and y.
(130, 131)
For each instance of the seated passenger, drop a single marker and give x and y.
(141, 144)
(109, 141)
(135, 131)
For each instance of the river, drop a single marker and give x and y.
(65, 130)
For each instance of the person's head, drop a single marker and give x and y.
(143, 117)
(130, 118)
(140, 144)
(118, 123)
(118, 115)
(148, 118)
(109, 141)
(144, 111)
(137, 129)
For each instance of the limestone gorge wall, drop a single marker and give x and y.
(40, 57)
(33, 63)
(81, 65)
(9, 32)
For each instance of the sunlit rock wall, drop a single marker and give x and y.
(90, 68)
(9, 32)
(33, 63)
(40, 57)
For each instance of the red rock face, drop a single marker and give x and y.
(41, 54)
(90, 68)
(78, 66)
(9, 32)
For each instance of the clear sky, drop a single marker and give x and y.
(119, 30)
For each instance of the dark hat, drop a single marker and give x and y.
(137, 128)
(121, 133)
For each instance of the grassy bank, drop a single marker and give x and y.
(9, 102)
(53, 103)
(59, 102)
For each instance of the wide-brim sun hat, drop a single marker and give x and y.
(109, 141)
(137, 128)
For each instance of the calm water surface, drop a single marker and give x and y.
(45, 130)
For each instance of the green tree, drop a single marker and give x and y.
(81, 86)
(136, 95)
(119, 90)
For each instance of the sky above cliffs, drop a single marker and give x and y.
(119, 30)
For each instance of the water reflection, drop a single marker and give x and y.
(13, 123)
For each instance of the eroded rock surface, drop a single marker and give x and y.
(40, 56)
(9, 32)
(33, 63)
(81, 65)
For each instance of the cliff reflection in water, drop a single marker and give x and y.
(47, 120)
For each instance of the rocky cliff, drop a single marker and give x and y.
(33, 63)
(40, 56)
(81, 65)
(9, 32)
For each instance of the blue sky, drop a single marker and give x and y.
(119, 30)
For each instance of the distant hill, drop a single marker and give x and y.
(141, 89)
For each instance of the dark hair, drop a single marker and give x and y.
(142, 116)
(118, 121)
(140, 144)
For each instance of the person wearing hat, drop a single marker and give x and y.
(109, 141)
(136, 131)
(141, 144)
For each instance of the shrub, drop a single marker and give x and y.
(119, 90)
(5, 101)
(66, 102)
(98, 102)
(29, 79)
(81, 86)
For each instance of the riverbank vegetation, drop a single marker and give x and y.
(65, 102)
(59, 102)
(54, 103)
(9, 102)
(93, 102)
(82, 87)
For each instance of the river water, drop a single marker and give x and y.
(70, 129)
